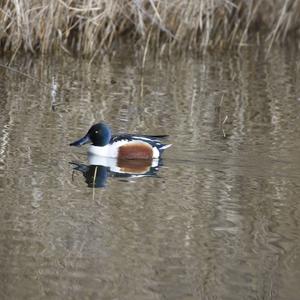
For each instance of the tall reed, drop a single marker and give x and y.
(91, 26)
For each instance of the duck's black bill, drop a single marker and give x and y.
(86, 139)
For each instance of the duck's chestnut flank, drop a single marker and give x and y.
(135, 151)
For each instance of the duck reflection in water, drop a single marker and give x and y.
(101, 168)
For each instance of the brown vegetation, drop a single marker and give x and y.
(91, 26)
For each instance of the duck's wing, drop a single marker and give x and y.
(161, 136)
(132, 137)
(120, 137)
(151, 140)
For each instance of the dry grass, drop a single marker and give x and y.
(91, 26)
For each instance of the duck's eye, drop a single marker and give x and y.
(96, 131)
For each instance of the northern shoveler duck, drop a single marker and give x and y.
(125, 146)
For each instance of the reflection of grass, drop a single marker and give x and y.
(91, 26)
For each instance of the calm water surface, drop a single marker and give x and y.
(219, 220)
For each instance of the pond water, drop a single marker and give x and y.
(217, 219)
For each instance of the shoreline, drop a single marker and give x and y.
(102, 26)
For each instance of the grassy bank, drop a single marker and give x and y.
(91, 26)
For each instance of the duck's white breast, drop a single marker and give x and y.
(110, 150)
